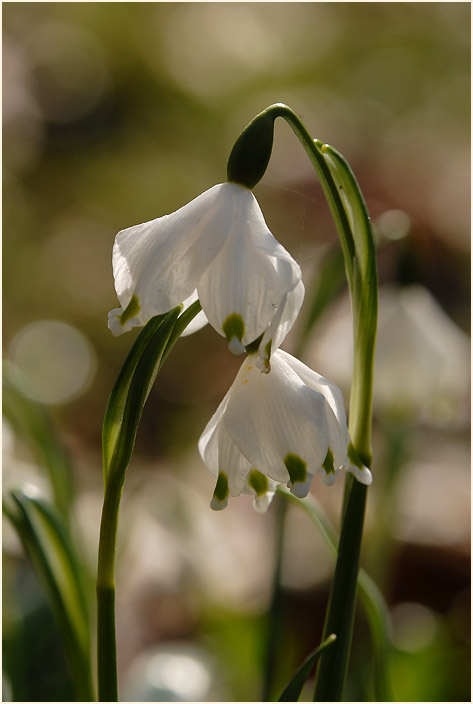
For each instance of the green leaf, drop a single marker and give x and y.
(116, 403)
(364, 295)
(354, 206)
(121, 423)
(48, 544)
(296, 685)
(182, 322)
(31, 421)
(130, 394)
(156, 340)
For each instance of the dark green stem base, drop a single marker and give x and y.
(332, 670)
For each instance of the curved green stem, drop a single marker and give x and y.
(353, 225)
(120, 427)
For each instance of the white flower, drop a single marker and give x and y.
(423, 359)
(278, 427)
(219, 246)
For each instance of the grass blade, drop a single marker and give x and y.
(296, 685)
(49, 546)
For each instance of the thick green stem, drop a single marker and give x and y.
(331, 675)
(353, 225)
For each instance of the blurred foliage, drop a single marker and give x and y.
(52, 552)
(116, 113)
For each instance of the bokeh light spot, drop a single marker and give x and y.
(414, 626)
(393, 224)
(54, 362)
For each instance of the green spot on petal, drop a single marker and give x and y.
(221, 490)
(327, 464)
(296, 467)
(258, 482)
(353, 457)
(267, 350)
(233, 326)
(132, 309)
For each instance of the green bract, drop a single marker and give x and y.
(251, 153)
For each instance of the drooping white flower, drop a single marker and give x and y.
(218, 245)
(423, 359)
(282, 426)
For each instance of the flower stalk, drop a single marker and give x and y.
(353, 225)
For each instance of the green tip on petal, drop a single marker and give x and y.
(327, 464)
(234, 328)
(296, 467)
(258, 482)
(221, 492)
(353, 457)
(132, 309)
(357, 468)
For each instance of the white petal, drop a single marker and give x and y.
(114, 324)
(263, 502)
(328, 389)
(208, 441)
(161, 261)
(217, 504)
(235, 346)
(363, 474)
(272, 415)
(285, 317)
(119, 323)
(300, 489)
(200, 319)
(220, 453)
(328, 479)
(335, 410)
(251, 273)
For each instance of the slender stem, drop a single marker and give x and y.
(352, 220)
(274, 626)
(106, 636)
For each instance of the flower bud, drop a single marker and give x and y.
(251, 153)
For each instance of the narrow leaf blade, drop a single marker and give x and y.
(121, 438)
(296, 685)
(116, 403)
(48, 544)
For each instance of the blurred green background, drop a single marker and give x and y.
(117, 113)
